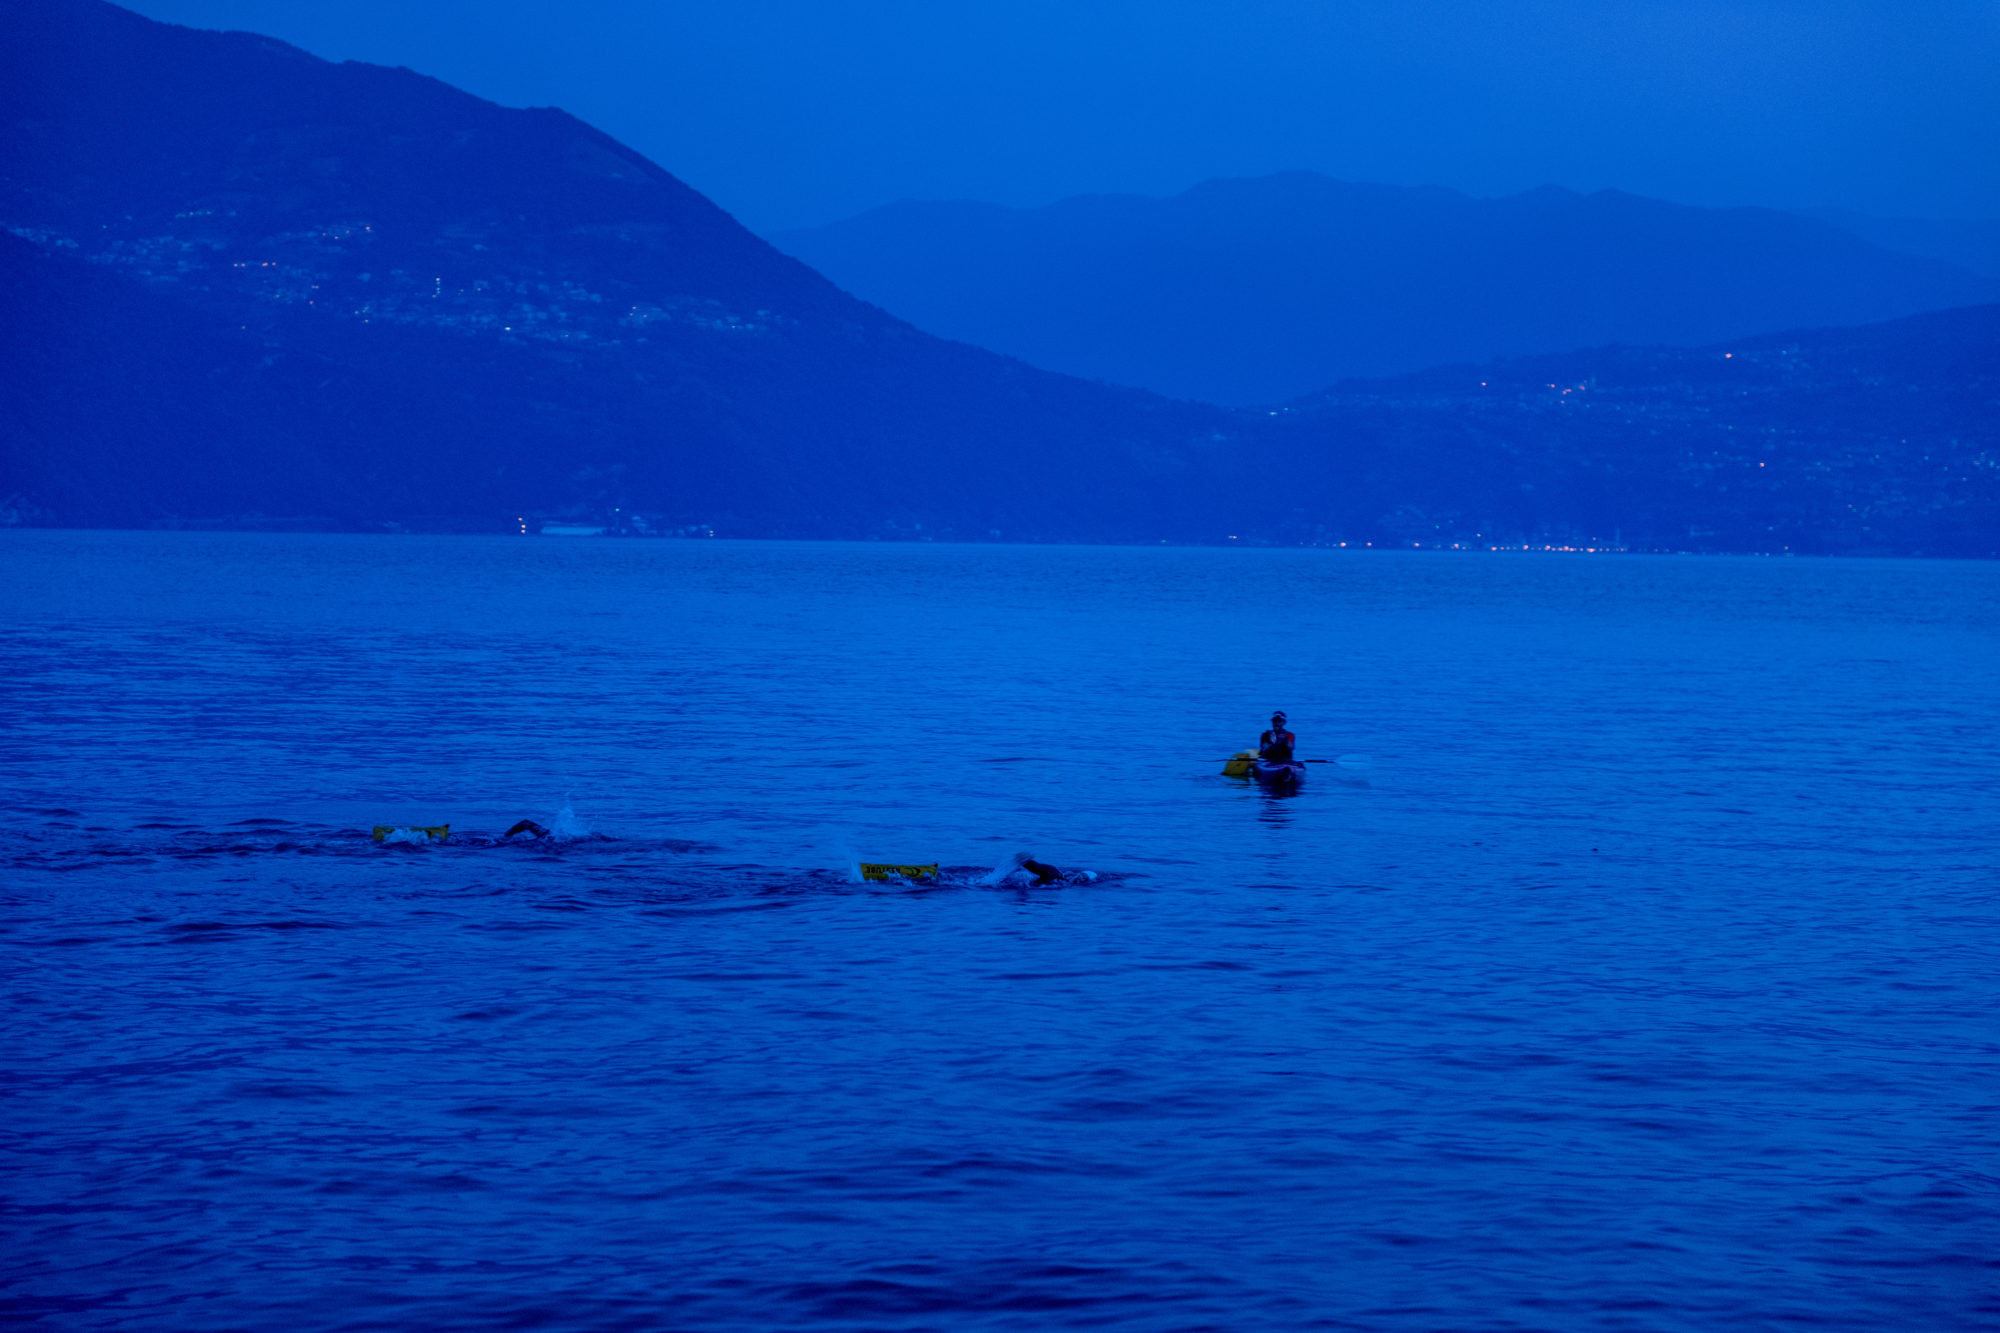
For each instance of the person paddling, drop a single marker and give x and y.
(1276, 744)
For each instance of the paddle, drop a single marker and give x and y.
(1345, 761)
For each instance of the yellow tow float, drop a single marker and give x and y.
(435, 832)
(882, 870)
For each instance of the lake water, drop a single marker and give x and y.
(1645, 979)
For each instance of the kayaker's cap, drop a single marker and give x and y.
(1278, 717)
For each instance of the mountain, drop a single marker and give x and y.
(1971, 243)
(251, 286)
(1256, 291)
(1881, 439)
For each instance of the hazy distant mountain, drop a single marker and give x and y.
(246, 287)
(1972, 243)
(1256, 291)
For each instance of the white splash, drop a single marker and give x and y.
(995, 877)
(840, 848)
(565, 825)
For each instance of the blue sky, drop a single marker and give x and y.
(792, 112)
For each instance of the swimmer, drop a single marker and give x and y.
(1044, 874)
(529, 827)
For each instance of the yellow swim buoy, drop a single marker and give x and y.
(434, 832)
(881, 870)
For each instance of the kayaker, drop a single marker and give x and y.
(1276, 744)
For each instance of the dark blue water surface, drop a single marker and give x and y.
(1647, 979)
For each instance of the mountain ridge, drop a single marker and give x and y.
(1877, 439)
(1968, 243)
(336, 209)
(1247, 291)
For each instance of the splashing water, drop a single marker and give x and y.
(565, 826)
(840, 849)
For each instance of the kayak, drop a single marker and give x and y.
(1246, 764)
(1277, 773)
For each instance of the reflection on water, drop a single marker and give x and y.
(1645, 980)
(1273, 804)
